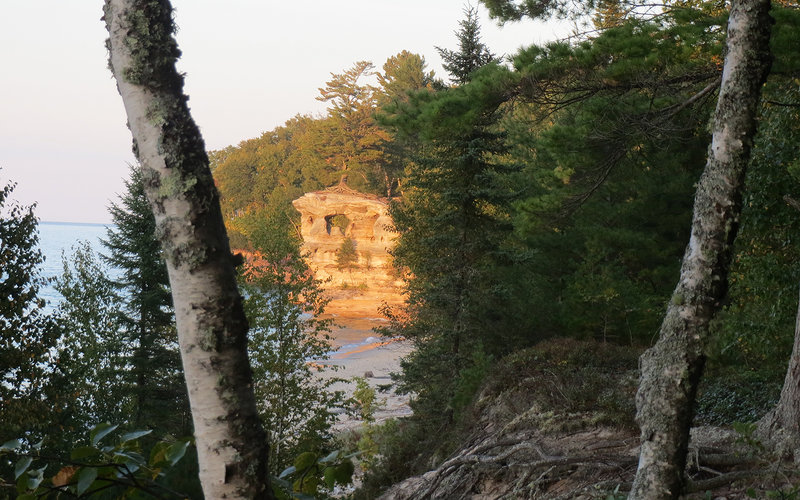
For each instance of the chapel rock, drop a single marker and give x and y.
(331, 217)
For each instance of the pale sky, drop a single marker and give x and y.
(250, 65)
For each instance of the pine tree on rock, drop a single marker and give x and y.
(352, 141)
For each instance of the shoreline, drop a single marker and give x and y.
(374, 361)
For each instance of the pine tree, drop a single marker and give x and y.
(26, 333)
(453, 222)
(346, 255)
(147, 319)
(350, 139)
(471, 54)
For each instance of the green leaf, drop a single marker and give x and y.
(22, 465)
(131, 436)
(27, 496)
(11, 445)
(100, 431)
(132, 460)
(22, 485)
(158, 453)
(305, 460)
(343, 473)
(35, 478)
(330, 477)
(287, 471)
(331, 457)
(83, 452)
(176, 451)
(86, 477)
(281, 483)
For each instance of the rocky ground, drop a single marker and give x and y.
(555, 422)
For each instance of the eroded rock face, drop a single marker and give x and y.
(328, 219)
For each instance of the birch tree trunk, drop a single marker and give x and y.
(672, 368)
(781, 426)
(212, 329)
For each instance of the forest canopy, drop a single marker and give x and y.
(542, 203)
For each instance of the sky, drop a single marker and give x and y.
(250, 65)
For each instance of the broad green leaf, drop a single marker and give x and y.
(305, 460)
(176, 451)
(331, 457)
(35, 478)
(286, 485)
(11, 445)
(130, 436)
(330, 477)
(22, 484)
(128, 457)
(158, 453)
(27, 496)
(343, 473)
(289, 470)
(83, 452)
(86, 477)
(100, 431)
(22, 465)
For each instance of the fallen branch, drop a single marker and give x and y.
(716, 482)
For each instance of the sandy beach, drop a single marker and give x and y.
(363, 353)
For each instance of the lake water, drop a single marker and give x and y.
(59, 238)
(56, 238)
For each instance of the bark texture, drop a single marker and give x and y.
(212, 329)
(781, 426)
(672, 368)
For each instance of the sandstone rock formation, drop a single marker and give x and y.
(331, 217)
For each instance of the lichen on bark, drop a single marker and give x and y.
(672, 368)
(212, 329)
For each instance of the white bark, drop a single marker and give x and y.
(212, 329)
(672, 368)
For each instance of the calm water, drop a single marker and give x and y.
(56, 238)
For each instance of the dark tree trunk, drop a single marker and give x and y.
(672, 368)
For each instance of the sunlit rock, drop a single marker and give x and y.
(331, 217)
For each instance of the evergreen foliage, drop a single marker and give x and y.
(346, 255)
(288, 338)
(454, 225)
(158, 390)
(756, 329)
(27, 336)
(92, 355)
(308, 154)
(352, 140)
(118, 354)
(471, 54)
